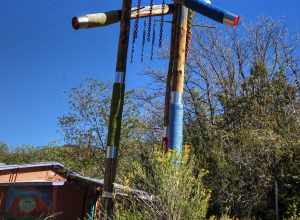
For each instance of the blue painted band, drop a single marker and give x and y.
(176, 127)
(111, 152)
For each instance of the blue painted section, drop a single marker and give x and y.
(176, 127)
(209, 10)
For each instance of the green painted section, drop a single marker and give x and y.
(115, 120)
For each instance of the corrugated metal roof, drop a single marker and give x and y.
(4, 167)
(59, 167)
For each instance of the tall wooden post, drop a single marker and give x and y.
(175, 128)
(175, 81)
(169, 85)
(114, 130)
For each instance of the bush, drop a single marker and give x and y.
(178, 193)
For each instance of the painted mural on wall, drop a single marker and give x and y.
(28, 203)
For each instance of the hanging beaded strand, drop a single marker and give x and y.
(136, 29)
(162, 21)
(144, 40)
(153, 42)
(150, 21)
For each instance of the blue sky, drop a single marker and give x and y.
(41, 58)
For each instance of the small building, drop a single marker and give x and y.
(37, 191)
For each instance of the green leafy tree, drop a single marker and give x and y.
(242, 116)
(3, 152)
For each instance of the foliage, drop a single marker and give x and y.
(87, 120)
(242, 121)
(3, 151)
(83, 160)
(179, 194)
(242, 116)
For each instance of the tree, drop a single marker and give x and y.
(85, 126)
(242, 121)
(86, 123)
(241, 114)
(3, 152)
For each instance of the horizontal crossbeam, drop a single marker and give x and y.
(214, 13)
(111, 17)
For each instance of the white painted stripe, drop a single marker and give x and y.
(119, 77)
(111, 152)
(107, 195)
(176, 98)
(83, 21)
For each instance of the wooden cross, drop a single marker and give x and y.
(175, 79)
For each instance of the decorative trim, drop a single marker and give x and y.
(120, 77)
(107, 195)
(176, 98)
(111, 152)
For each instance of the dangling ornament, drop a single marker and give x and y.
(150, 22)
(162, 21)
(153, 42)
(136, 29)
(144, 40)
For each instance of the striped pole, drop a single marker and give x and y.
(175, 128)
(175, 80)
(114, 130)
(111, 17)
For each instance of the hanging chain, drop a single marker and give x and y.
(132, 51)
(153, 42)
(136, 24)
(136, 30)
(150, 21)
(162, 21)
(144, 40)
(189, 32)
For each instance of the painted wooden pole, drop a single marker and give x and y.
(169, 86)
(175, 81)
(214, 13)
(114, 130)
(111, 17)
(175, 128)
